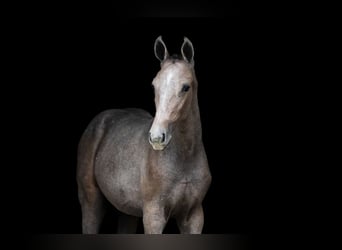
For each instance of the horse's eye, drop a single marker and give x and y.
(185, 88)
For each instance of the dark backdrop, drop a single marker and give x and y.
(91, 60)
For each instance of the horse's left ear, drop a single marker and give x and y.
(188, 51)
(160, 50)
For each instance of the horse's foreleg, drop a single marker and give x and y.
(191, 223)
(154, 218)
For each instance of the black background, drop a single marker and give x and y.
(93, 58)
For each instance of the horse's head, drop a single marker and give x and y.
(174, 87)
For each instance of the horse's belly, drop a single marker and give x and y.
(118, 176)
(126, 199)
(121, 189)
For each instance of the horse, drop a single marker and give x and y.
(150, 167)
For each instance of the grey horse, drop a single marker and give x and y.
(150, 167)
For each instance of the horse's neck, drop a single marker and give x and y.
(185, 145)
(188, 131)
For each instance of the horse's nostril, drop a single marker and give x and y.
(159, 139)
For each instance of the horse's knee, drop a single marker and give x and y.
(154, 219)
(191, 222)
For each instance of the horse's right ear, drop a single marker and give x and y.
(160, 49)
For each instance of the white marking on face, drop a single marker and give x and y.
(169, 96)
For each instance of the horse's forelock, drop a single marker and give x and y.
(175, 57)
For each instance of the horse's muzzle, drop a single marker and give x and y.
(158, 142)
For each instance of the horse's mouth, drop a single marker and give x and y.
(158, 146)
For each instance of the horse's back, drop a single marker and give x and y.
(108, 118)
(120, 154)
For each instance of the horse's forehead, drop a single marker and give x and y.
(178, 70)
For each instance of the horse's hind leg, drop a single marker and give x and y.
(93, 210)
(127, 224)
(90, 196)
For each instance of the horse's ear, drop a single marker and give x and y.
(160, 49)
(188, 51)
